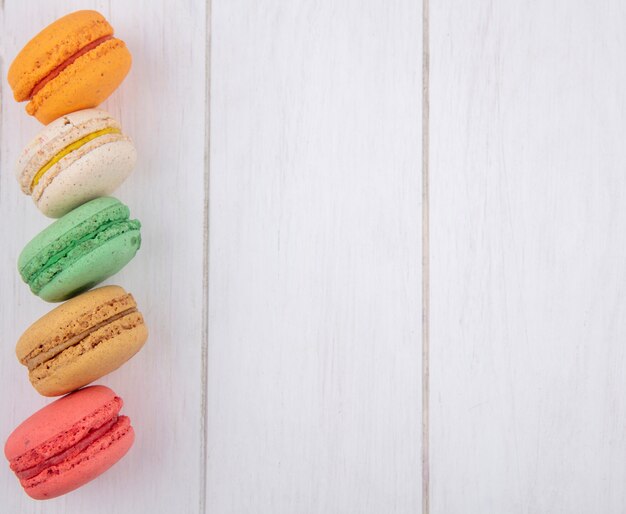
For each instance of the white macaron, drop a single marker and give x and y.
(74, 159)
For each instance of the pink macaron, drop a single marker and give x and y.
(69, 442)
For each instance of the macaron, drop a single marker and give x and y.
(78, 157)
(82, 340)
(80, 250)
(73, 64)
(69, 442)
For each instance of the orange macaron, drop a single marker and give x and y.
(74, 63)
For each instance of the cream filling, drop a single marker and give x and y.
(69, 149)
(43, 357)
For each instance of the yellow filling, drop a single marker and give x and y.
(68, 149)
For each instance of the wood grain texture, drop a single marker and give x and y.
(162, 106)
(314, 285)
(528, 244)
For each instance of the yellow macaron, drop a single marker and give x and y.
(82, 340)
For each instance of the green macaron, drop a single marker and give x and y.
(80, 250)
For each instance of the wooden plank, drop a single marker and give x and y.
(314, 279)
(528, 239)
(161, 105)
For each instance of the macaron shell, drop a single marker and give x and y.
(85, 83)
(96, 461)
(93, 268)
(98, 172)
(74, 316)
(55, 137)
(75, 372)
(95, 209)
(59, 416)
(52, 46)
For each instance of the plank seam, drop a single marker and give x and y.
(205, 263)
(425, 262)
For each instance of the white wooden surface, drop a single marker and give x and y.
(284, 370)
(314, 275)
(528, 252)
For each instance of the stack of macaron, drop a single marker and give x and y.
(69, 170)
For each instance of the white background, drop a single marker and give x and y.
(329, 336)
